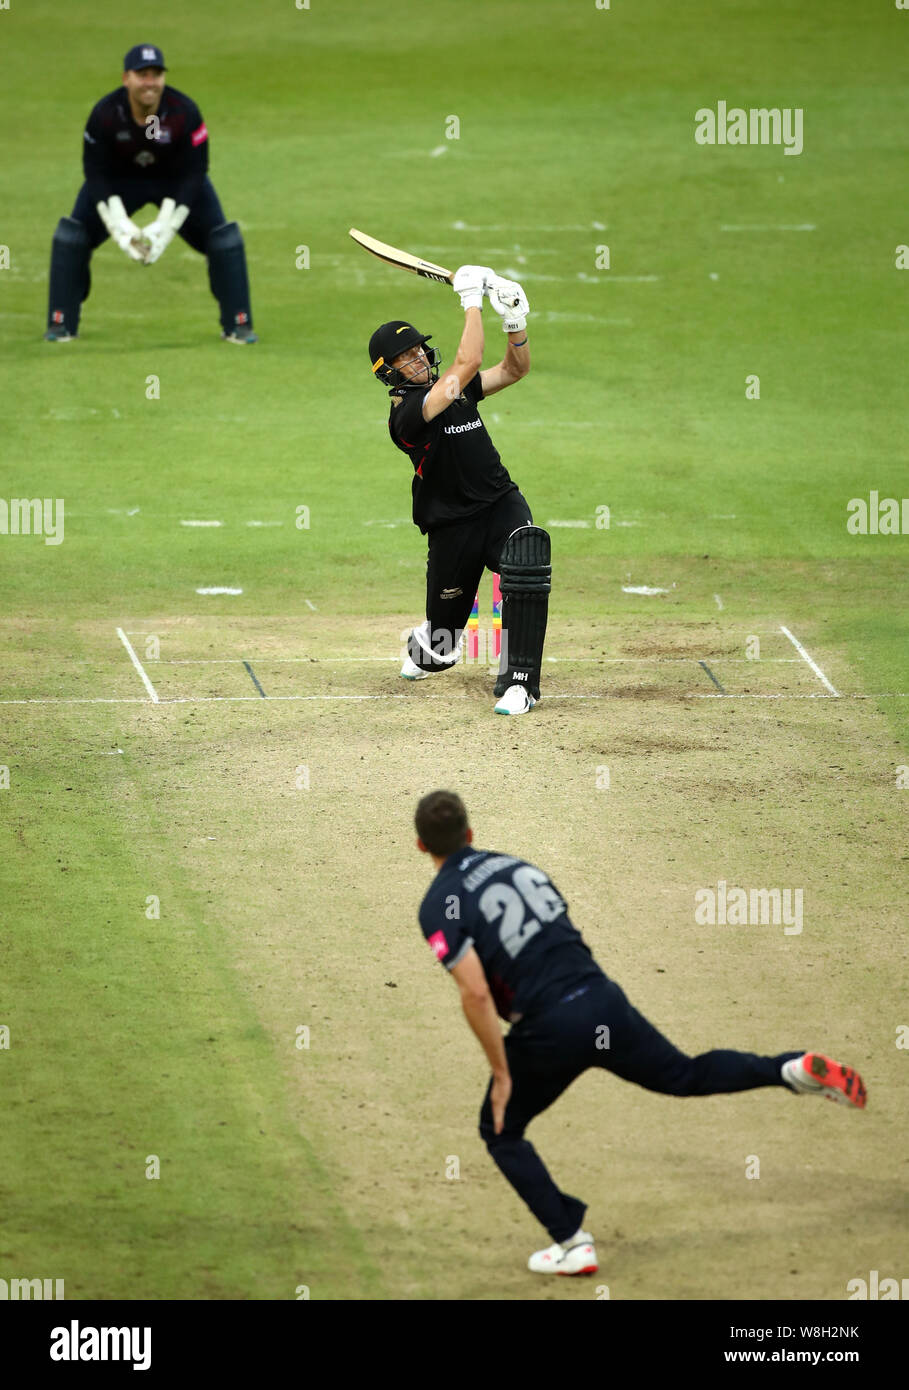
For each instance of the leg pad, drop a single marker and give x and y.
(70, 280)
(526, 579)
(227, 276)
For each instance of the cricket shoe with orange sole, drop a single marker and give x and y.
(576, 1256)
(813, 1074)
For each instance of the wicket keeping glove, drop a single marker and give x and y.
(159, 234)
(120, 228)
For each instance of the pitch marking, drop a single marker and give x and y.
(232, 699)
(712, 677)
(813, 664)
(138, 665)
(255, 680)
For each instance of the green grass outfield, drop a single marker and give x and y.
(131, 1036)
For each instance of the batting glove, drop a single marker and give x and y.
(510, 302)
(120, 228)
(159, 234)
(470, 283)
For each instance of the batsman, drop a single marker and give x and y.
(146, 142)
(464, 501)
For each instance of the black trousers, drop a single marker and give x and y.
(596, 1026)
(455, 562)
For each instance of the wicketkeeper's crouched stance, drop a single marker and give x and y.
(474, 515)
(146, 143)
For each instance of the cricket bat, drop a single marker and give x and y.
(402, 260)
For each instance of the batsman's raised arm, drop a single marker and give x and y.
(469, 284)
(510, 302)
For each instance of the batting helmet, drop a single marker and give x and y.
(388, 342)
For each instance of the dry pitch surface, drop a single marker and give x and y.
(290, 814)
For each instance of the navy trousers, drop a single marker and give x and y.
(204, 216)
(547, 1051)
(70, 277)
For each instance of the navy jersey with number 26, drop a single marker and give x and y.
(516, 921)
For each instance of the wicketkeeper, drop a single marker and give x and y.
(464, 501)
(146, 142)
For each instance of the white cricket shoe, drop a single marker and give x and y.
(412, 672)
(516, 700)
(576, 1256)
(816, 1075)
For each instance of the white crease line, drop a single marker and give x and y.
(201, 523)
(813, 664)
(138, 665)
(265, 660)
(719, 604)
(715, 695)
(257, 699)
(84, 700)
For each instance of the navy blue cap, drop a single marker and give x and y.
(144, 55)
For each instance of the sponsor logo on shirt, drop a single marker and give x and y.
(163, 136)
(439, 944)
(459, 429)
(121, 135)
(200, 135)
(144, 157)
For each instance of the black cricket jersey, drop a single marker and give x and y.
(457, 468)
(116, 149)
(516, 921)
